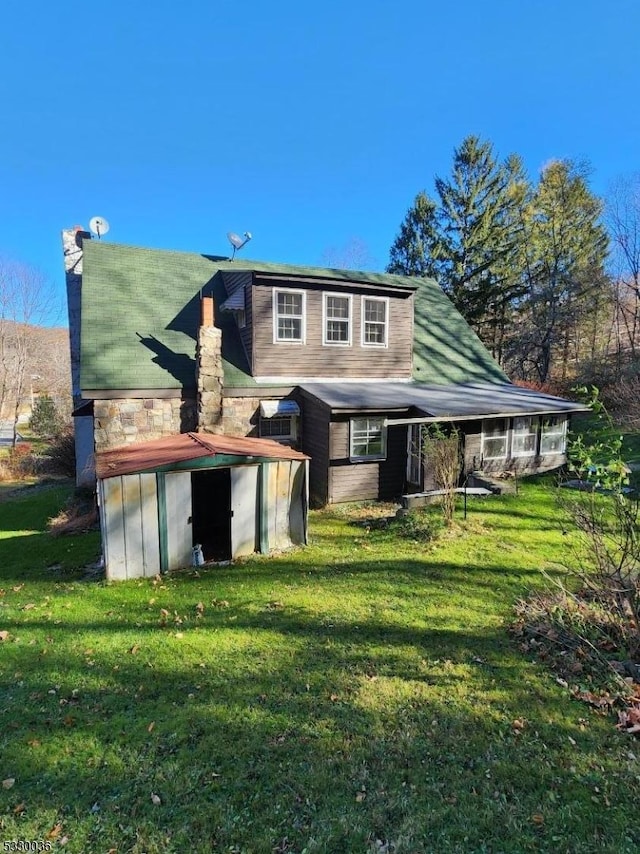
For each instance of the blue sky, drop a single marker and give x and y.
(309, 125)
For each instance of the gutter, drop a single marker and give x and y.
(432, 419)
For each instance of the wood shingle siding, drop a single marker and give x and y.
(313, 358)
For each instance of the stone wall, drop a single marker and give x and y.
(210, 378)
(124, 421)
(240, 416)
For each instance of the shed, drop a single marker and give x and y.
(232, 496)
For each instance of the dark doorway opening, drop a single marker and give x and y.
(211, 512)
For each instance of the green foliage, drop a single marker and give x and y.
(523, 264)
(45, 419)
(596, 457)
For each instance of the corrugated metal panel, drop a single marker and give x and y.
(115, 553)
(130, 524)
(178, 509)
(244, 510)
(184, 447)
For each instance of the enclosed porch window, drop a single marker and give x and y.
(553, 439)
(495, 435)
(368, 439)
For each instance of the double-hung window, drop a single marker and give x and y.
(288, 316)
(375, 321)
(337, 319)
(524, 440)
(553, 437)
(368, 440)
(494, 438)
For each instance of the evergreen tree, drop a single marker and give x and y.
(468, 239)
(414, 251)
(45, 418)
(565, 248)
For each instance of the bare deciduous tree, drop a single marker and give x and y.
(25, 300)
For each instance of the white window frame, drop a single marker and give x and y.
(325, 320)
(533, 427)
(302, 317)
(559, 429)
(291, 436)
(493, 436)
(363, 322)
(374, 426)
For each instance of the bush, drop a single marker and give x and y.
(62, 454)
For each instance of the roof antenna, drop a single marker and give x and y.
(98, 225)
(237, 242)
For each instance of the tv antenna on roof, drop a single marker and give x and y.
(237, 242)
(98, 225)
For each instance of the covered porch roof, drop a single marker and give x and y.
(459, 402)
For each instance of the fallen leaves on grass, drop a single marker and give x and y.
(629, 720)
(4, 635)
(8, 783)
(155, 799)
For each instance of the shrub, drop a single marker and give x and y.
(62, 453)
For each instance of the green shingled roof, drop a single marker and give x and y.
(141, 310)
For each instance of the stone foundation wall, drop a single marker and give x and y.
(124, 421)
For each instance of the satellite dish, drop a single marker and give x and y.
(237, 242)
(98, 225)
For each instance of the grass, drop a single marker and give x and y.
(359, 695)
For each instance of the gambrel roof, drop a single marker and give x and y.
(141, 312)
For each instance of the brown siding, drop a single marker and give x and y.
(393, 470)
(245, 332)
(313, 358)
(362, 481)
(357, 482)
(314, 441)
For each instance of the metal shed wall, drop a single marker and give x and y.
(285, 502)
(129, 520)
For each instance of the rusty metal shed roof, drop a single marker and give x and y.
(160, 453)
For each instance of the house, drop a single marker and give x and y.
(344, 366)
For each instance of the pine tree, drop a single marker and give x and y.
(565, 249)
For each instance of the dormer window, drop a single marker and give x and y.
(337, 319)
(375, 321)
(288, 316)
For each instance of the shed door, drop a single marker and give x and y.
(244, 510)
(178, 521)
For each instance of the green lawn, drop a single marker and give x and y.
(359, 695)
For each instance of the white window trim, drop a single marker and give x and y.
(303, 324)
(364, 343)
(368, 457)
(349, 320)
(504, 436)
(560, 430)
(533, 431)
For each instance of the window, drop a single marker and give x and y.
(414, 456)
(337, 319)
(279, 427)
(553, 438)
(368, 439)
(524, 441)
(494, 439)
(288, 312)
(375, 312)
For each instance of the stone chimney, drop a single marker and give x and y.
(72, 239)
(209, 370)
